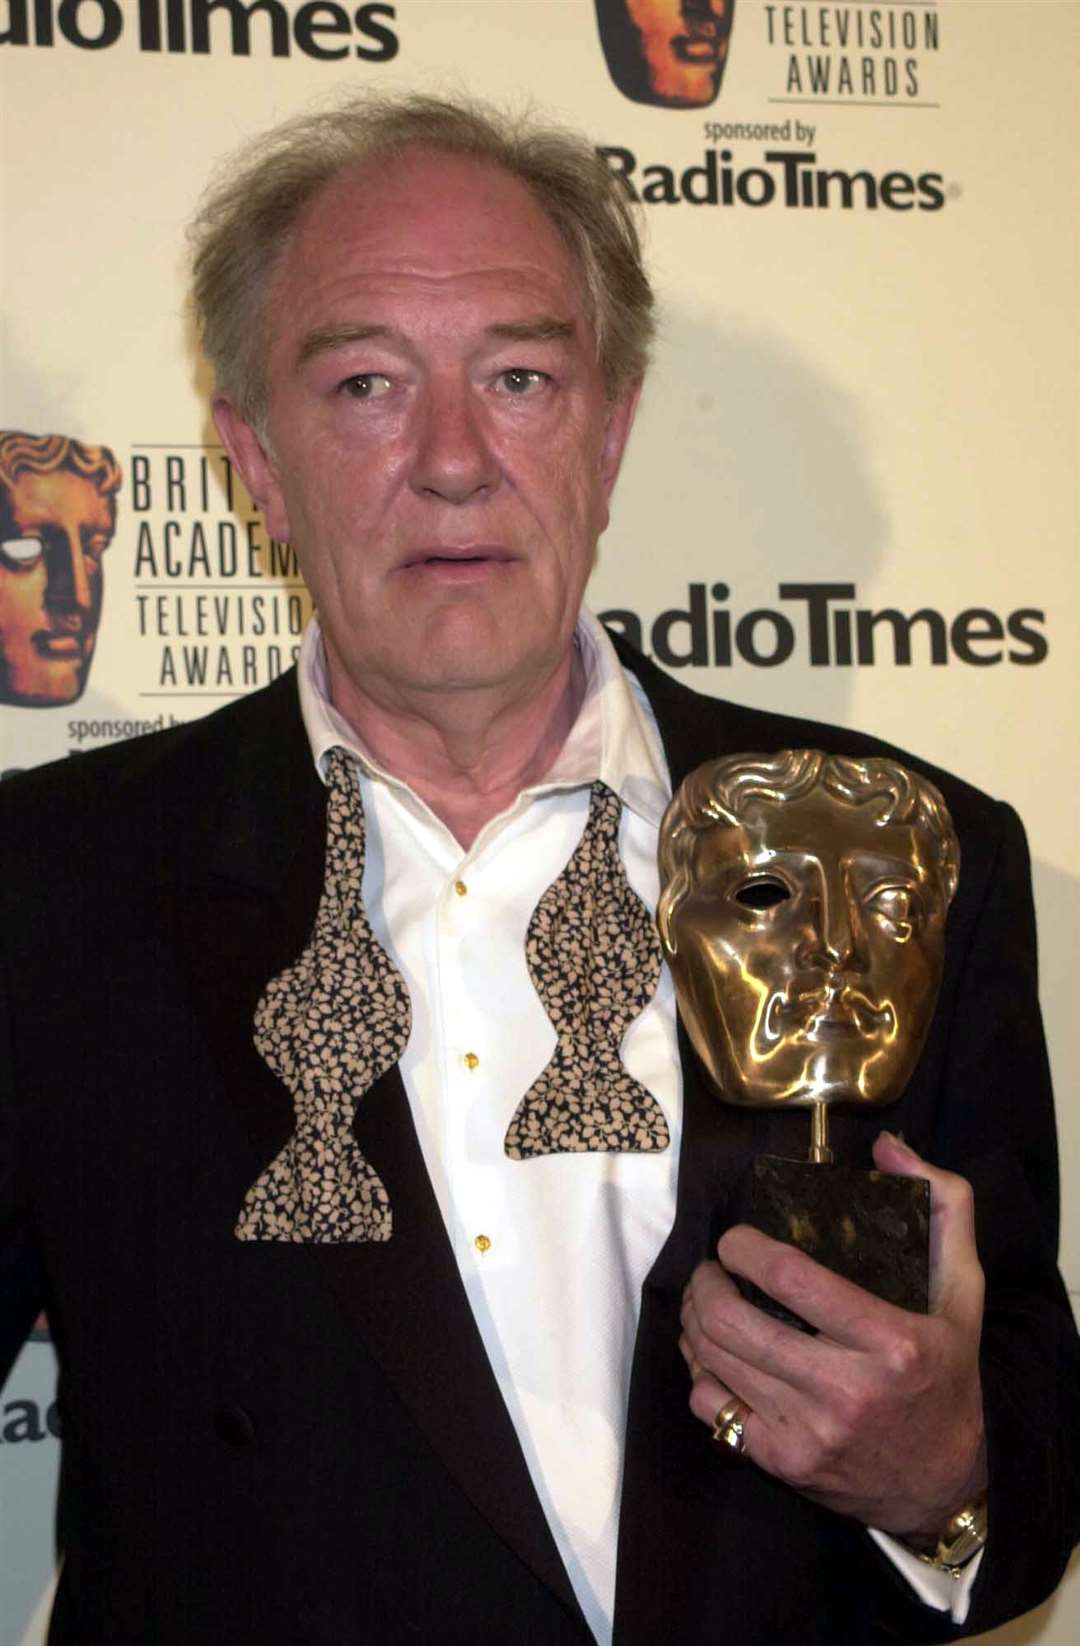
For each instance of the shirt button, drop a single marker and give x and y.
(471, 1060)
(460, 887)
(482, 1243)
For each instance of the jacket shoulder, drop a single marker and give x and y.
(191, 760)
(231, 793)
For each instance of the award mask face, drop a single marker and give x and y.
(805, 932)
(669, 53)
(57, 518)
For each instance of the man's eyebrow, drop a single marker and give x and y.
(326, 338)
(544, 329)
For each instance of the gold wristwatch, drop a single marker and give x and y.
(964, 1536)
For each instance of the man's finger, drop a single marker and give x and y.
(739, 1343)
(844, 1313)
(956, 1282)
(710, 1398)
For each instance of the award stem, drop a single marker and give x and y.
(820, 1153)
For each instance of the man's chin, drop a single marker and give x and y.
(478, 648)
(455, 646)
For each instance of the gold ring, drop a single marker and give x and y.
(729, 1426)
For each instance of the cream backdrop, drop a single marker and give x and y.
(879, 398)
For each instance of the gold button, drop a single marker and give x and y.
(460, 887)
(482, 1243)
(471, 1060)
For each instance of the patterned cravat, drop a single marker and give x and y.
(594, 958)
(339, 1017)
(329, 1026)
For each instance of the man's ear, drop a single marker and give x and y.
(620, 421)
(254, 465)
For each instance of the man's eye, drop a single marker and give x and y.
(366, 385)
(519, 381)
(21, 551)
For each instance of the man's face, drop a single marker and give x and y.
(56, 527)
(680, 47)
(441, 451)
(809, 953)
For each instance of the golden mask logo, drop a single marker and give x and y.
(57, 518)
(670, 53)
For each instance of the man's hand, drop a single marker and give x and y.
(880, 1415)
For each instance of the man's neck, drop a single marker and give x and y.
(468, 755)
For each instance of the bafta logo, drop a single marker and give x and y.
(670, 53)
(57, 518)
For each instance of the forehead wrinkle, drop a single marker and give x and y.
(401, 271)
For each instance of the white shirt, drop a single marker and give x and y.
(553, 1250)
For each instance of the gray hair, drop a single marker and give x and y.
(249, 213)
(724, 793)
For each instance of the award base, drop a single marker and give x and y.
(870, 1227)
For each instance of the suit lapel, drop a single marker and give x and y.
(675, 1498)
(404, 1295)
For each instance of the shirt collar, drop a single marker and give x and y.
(614, 738)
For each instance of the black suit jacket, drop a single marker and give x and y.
(269, 1444)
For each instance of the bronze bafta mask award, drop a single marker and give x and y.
(802, 912)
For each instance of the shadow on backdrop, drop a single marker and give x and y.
(748, 467)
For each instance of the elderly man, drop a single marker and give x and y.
(348, 1129)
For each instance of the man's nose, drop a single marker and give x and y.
(454, 459)
(68, 587)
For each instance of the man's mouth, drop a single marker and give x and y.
(463, 558)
